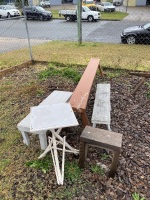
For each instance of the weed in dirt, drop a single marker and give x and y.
(40, 92)
(97, 170)
(114, 74)
(148, 87)
(67, 193)
(136, 196)
(104, 156)
(8, 82)
(72, 171)
(129, 87)
(4, 163)
(67, 72)
(44, 164)
(30, 83)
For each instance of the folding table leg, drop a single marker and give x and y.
(63, 160)
(25, 136)
(43, 140)
(75, 151)
(57, 170)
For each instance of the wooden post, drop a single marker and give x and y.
(101, 71)
(141, 74)
(85, 119)
(82, 154)
(145, 75)
(139, 85)
(114, 164)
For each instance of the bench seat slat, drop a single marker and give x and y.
(102, 107)
(81, 94)
(53, 98)
(24, 126)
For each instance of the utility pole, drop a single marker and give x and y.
(127, 5)
(79, 17)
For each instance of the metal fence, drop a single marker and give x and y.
(17, 32)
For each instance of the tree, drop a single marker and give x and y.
(18, 3)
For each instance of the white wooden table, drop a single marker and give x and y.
(54, 117)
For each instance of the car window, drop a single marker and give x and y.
(8, 7)
(40, 9)
(86, 9)
(146, 26)
(28, 9)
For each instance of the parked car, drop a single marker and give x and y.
(12, 4)
(45, 4)
(8, 11)
(87, 14)
(37, 12)
(90, 4)
(148, 2)
(136, 34)
(117, 2)
(106, 7)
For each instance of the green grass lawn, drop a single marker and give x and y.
(122, 56)
(113, 15)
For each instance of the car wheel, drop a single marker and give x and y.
(41, 18)
(8, 15)
(68, 18)
(131, 39)
(90, 18)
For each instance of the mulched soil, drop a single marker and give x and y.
(129, 115)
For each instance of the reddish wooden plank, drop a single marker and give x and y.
(81, 94)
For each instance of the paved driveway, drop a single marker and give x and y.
(138, 14)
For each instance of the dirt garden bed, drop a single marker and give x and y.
(22, 178)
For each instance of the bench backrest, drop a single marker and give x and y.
(81, 93)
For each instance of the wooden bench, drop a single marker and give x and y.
(80, 96)
(24, 126)
(102, 107)
(78, 101)
(103, 139)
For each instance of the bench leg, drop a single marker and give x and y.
(101, 72)
(43, 140)
(108, 127)
(25, 136)
(82, 154)
(86, 150)
(114, 163)
(94, 125)
(85, 119)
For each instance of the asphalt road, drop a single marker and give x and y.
(13, 34)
